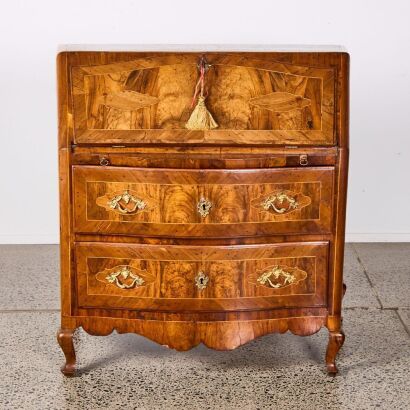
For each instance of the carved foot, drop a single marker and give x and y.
(65, 340)
(336, 340)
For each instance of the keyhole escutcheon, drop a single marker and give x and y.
(201, 280)
(203, 207)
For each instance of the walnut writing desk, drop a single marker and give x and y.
(202, 194)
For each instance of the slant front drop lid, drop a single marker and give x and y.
(202, 194)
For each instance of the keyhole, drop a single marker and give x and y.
(203, 207)
(201, 281)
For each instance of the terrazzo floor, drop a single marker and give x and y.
(274, 372)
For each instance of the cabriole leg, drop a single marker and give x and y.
(65, 340)
(336, 340)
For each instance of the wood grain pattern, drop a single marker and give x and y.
(127, 100)
(172, 197)
(65, 340)
(280, 102)
(336, 340)
(127, 110)
(291, 104)
(204, 157)
(218, 335)
(170, 273)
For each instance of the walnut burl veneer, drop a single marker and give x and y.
(216, 235)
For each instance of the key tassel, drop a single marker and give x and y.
(201, 118)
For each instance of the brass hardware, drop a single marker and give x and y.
(279, 198)
(126, 197)
(201, 280)
(125, 273)
(204, 207)
(104, 161)
(303, 159)
(277, 273)
(204, 63)
(278, 277)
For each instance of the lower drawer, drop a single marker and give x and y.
(201, 278)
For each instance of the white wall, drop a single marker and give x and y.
(377, 34)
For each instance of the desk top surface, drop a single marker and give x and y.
(203, 47)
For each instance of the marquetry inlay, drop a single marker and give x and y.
(202, 194)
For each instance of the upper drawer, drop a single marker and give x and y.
(212, 203)
(273, 98)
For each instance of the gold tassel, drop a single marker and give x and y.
(201, 118)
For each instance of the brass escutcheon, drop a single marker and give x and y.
(201, 280)
(204, 207)
(104, 161)
(125, 273)
(276, 278)
(275, 202)
(126, 197)
(303, 160)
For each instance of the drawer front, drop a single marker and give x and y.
(212, 203)
(252, 100)
(195, 278)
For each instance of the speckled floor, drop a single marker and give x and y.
(274, 372)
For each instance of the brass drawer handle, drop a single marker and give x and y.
(117, 203)
(203, 207)
(201, 280)
(276, 278)
(125, 273)
(277, 200)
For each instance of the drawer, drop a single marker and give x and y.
(201, 278)
(212, 203)
(254, 100)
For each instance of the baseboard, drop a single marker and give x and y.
(41, 239)
(378, 237)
